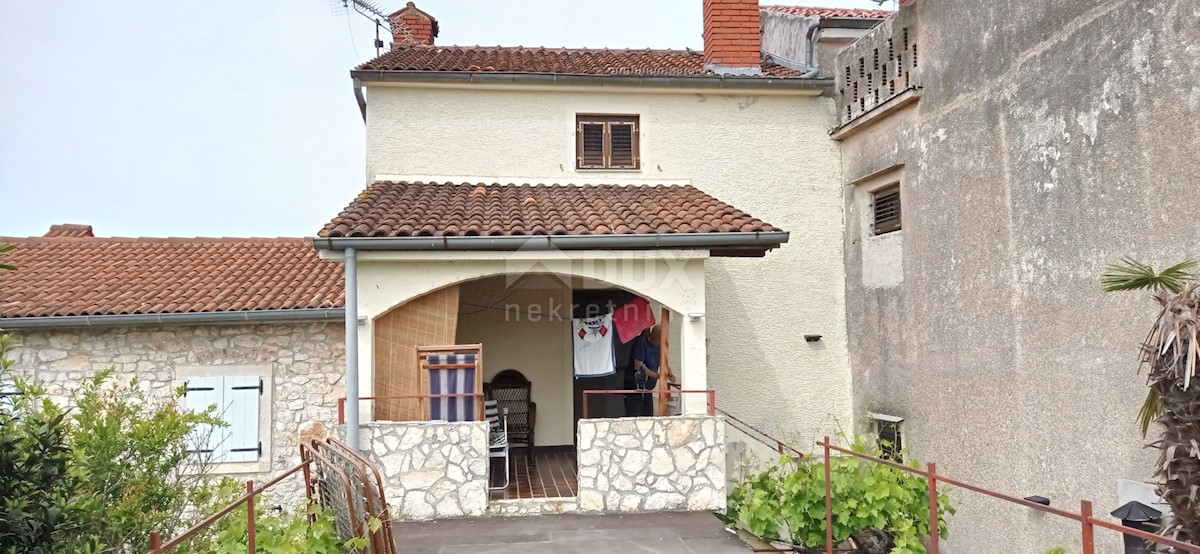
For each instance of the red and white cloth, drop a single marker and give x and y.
(632, 318)
(593, 341)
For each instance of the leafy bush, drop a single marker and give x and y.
(786, 502)
(99, 477)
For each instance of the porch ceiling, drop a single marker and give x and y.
(470, 216)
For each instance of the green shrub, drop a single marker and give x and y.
(787, 502)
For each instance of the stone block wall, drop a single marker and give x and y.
(307, 367)
(431, 469)
(652, 464)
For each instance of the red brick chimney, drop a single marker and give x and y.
(412, 26)
(732, 36)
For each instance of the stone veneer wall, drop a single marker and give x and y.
(431, 469)
(307, 359)
(652, 464)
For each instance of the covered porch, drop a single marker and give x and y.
(504, 309)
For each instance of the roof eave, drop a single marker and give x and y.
(714, 242)
(194, 318)
(697, 81)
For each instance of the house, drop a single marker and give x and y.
(505, 181)
(253, 326)
(993, 164)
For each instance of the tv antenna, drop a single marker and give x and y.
(372, 12)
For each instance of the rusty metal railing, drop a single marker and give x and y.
(762, 436)
(1088, 522)
(712, 396)
(341, 402)
(336, 477)
(159, 547)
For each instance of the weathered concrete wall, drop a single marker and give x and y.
(431, 469)
(305, 363)
(652, 464)
(1050, 139)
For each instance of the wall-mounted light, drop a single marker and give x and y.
(812, 338)
(695, 316)
(1038, 500)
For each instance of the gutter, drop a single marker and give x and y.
(475, 77)
(693, 241)
(242, 316)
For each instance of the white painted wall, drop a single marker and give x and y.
(766, 154)
(536, 342)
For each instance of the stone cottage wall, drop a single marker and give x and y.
(431, 469)
(652, 464)
(307, 360)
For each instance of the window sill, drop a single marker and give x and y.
(262, 465)
(614, 170)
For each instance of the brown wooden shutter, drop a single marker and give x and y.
(623, 145)
(590, 144)
(885, 210)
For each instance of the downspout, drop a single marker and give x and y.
(810, 38)
(352, 406)
(810, 68)
(358, 95)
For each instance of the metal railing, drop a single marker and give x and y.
(1088, 522)
(338, 478)
(762, 436)
(712, 396)
(341, 402)
(159, 547)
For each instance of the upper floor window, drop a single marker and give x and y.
(606, 142)
(885, 209)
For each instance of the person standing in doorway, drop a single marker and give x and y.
(642, 373)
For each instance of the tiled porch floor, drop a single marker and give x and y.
(544, 473)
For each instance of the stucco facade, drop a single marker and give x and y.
(764, 152)
(302, 364)
(1063, 145)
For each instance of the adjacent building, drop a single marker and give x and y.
(994, 160)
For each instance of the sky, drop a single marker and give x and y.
(233, 117)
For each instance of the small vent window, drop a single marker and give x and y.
(885, 209)
(889, 436)
(607, 142)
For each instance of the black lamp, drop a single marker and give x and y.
(1038, 500)
(812, 338)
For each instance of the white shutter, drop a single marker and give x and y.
(207, 440)
(241, 412)
(8, 391)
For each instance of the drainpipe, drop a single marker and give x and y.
(351, 348)
(362, 100)
(810, 38)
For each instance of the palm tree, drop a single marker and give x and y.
(1171, 352)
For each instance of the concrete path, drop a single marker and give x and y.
(663, 533)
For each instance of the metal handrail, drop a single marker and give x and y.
(341, 401)
(712, 396)
(158, 547)
(780, 446)
(1087, 520)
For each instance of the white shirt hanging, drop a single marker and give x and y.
(594, 352)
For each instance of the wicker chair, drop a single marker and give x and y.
(513, 392)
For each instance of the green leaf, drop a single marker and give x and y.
(1130, 274)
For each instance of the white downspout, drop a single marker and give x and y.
(351, 347)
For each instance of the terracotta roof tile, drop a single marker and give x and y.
(63, 276)
(571, 61)
(404, 209)
(819, 11)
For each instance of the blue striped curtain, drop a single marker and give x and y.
(452, 381)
